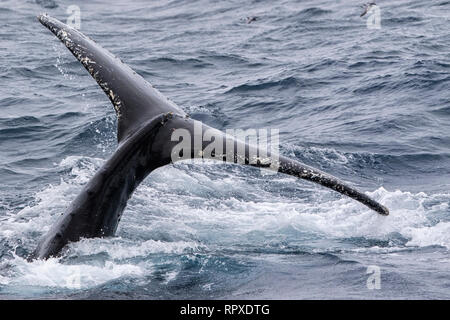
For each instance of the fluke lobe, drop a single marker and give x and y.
(146, 121)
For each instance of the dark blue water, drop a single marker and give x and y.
(369, 106)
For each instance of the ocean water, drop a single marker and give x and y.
(370, 106)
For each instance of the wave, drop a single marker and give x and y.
(174, 192)
(17, 121)
(402, 20)
(282, 84)
(176, 62)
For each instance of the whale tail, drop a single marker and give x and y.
(134, 99)
(147, 122)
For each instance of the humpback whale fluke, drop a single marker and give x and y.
(146, 121)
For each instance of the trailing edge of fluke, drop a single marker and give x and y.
(146, 120)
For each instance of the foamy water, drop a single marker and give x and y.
(368, 106)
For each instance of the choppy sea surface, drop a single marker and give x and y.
(370, 106)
